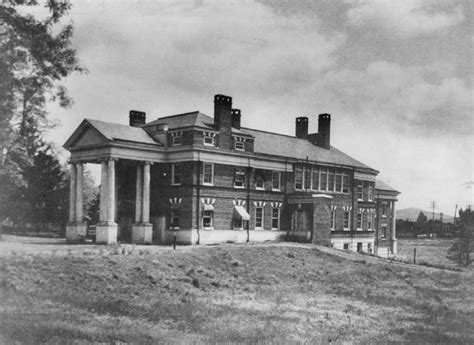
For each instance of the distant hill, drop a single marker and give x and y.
(412, 214)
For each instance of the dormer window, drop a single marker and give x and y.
(209, 139)
(177, 138)
(239, 143)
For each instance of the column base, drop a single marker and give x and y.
(76, 232)
(394, 247)
(106, 233)
(142, 233)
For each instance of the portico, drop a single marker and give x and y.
(89, 145)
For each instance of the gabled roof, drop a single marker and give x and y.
(287, 146)
(380, 185)
(112, 131)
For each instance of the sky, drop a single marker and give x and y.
(396, 77)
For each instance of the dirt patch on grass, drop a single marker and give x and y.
(235, 293)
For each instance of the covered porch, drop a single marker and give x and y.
(94, 142)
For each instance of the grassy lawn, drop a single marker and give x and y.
(428, 251)
(232, 293)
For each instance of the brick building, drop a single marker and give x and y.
(208, 180)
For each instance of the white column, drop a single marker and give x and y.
(394, 231)
(139, 194)
(146, 193)
(72, 193)
(103, 191)
(111, 191)
(79, 191)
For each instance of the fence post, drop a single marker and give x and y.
(414, 255)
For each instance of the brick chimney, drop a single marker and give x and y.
(302, 127)
(236, 118)
(223, 120)
(137, 118)
(324, 131)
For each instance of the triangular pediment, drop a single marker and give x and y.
(85, 136)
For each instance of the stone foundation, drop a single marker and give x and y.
(76, 232)
(106, 233)
(142, 233)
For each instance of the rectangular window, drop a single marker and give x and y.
(333, 219)
(238, 222)
(177, 139)
(347, 220)
(371, 191)
(384, 231)
(174, 219)
(239, 145)
(360, 187)
(359, 221)
(259, 218)
(176, 174)
(366, 191)
(307, 178)
(315, 184)
(384, 210)
(298, 178)
(331, 181)
(259, 181)
(208, 173)
(275, 218)
(370, 221)
(209, 140)
(369, 248)
(276, 180)
(323, 182)
(345, 183)
(359, 247)
(365, 219)
(207, 219)
(239, 179)
(338, 183)
(346, 246)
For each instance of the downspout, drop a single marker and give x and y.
(198, 204)
(285, 195)
(377, 233)
(249, 170)
(353, 209)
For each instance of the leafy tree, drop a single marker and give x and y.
(35, 56)
(421, 218)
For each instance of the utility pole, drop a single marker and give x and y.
(455, 212)
(433, 206)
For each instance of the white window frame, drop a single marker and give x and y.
(330, 186)
(239, 145)
(204, 174)
(315, 171)
(277, 218)
(210, 216)
(239, 173)
(336, 176)
(174, 215)
(299, 170)
(360, 190)
(348, 220)
(371, 192)
(370, 222)
(325, 172)
(273, 180)
(348, 184)
(259, 173)
(176, 139)
(333, 220)
(211, 138)
(383, 230)
(359, 221)
(173, 176)
(262, 218)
